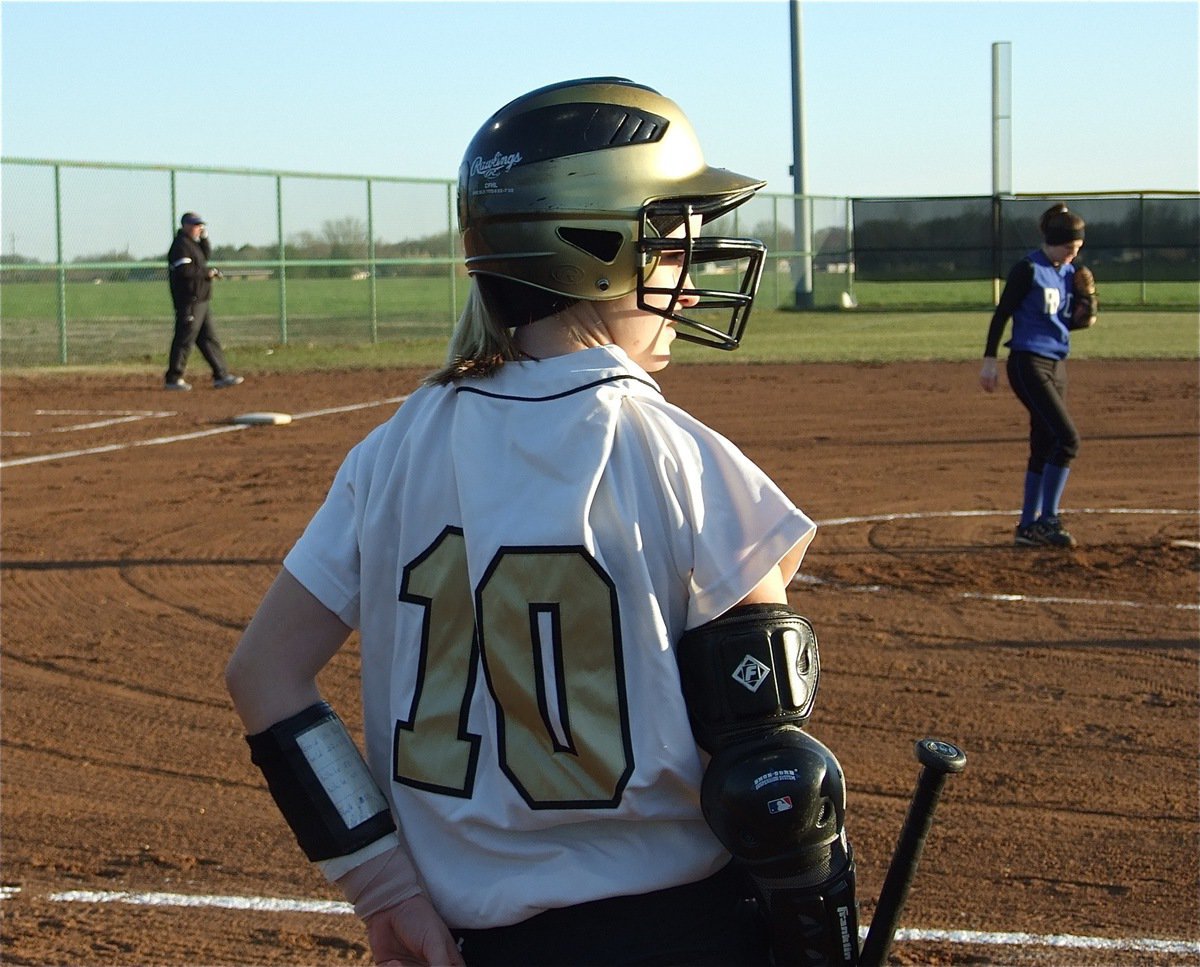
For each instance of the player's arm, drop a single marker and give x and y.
(273, 672)
(770, 590)
(318, 778)
(1016, 287)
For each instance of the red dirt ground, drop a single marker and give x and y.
(1070, 678)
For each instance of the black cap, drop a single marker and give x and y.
(191, 218)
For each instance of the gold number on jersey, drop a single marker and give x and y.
(549, 644)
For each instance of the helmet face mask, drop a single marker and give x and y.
(572, 188)
(697, 322)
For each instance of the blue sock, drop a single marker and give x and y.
(1033, 498)
(1054, 481)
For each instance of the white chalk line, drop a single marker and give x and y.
(118, 416)
(812, 581)
(195, 435)
(1086, 602)
(924, 514)
(978, 937)
(266, 904)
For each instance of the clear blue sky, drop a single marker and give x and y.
(897, 95)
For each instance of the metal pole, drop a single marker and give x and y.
(62, 271)
(451, 217)
(1001, 151)
(850, 250)
(371, 264)
(802, 243)
(283, 329)
(174, 215)
(775, 266)
(1142, 241)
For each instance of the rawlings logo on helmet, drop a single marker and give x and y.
(494, 165)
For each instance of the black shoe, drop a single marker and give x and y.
(1051, 533)
(227, 380)
(1027, 536)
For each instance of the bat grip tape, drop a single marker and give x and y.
(321, 784)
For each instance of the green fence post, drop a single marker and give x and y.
(283, 331)
(451, 215)
(174, 215)
(997, 247)
(775, 273)
(62, 271)
(848, 213)
(1142, 241)
(371, 264)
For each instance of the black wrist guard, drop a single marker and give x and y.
(321, 784)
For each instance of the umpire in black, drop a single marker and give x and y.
(191, 292)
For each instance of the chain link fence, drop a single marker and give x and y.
(350, 259)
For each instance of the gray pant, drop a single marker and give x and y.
(194, 327)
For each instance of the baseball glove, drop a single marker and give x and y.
(1085, 307)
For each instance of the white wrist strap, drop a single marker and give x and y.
(381, 882)
(339, 866)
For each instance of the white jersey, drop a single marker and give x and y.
(520, 555)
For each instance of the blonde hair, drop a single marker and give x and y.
(479, 345)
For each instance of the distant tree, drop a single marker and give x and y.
(110, 256)
(112, 275)
(11, 262)
(346, 238)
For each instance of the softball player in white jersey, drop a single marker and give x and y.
(521, 549)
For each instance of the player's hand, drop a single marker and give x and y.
(411, 934)
(989, 375)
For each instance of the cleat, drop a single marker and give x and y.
(227, 380)
(1027, 536)
(1051, 533)
(178, 385)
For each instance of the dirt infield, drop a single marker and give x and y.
(1070, 678)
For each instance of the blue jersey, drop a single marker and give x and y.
(1040, 319)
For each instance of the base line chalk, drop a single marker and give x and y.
(198, 434)
(974, 937)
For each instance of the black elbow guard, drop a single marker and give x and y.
(754, 668)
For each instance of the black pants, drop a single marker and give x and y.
(1041, 385)
(712, 923)
(194, 326)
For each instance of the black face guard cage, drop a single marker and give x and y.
(698, 251)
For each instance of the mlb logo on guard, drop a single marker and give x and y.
(781, 805)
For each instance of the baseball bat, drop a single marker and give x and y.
(939, 760)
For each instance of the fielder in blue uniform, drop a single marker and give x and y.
(1038, 296)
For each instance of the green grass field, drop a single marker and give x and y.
(329, 324)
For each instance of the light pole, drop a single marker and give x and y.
(802, 243)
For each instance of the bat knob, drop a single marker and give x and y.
(941, 756)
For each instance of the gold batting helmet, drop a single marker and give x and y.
(572, 189)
